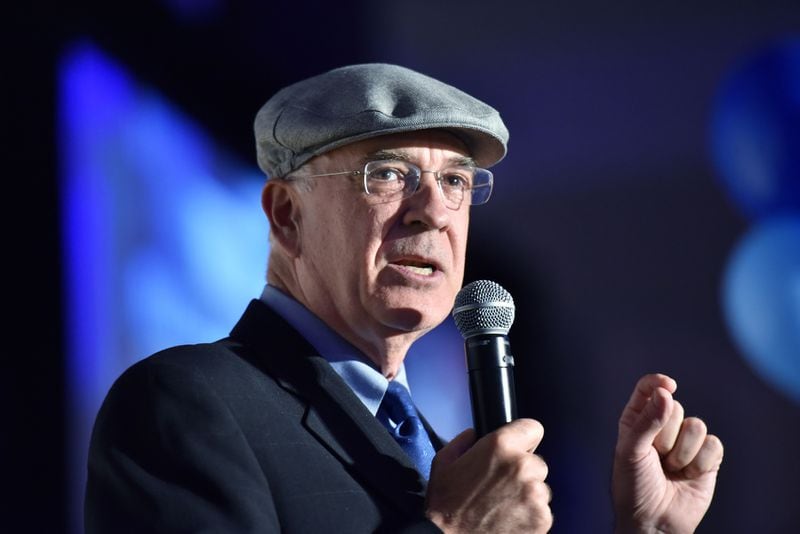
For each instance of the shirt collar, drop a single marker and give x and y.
(356, 370)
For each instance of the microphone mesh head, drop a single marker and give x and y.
(483, 307)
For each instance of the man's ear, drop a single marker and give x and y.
(281, 205)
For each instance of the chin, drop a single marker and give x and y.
(413, 318)
(411, 309)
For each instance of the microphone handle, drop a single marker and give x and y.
(491, 382)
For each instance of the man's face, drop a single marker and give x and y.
(374, 269)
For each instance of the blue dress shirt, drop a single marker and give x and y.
(356, 370)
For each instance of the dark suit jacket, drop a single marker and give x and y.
(253, 433)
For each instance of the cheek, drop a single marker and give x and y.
(379, 226)
(333, 238)
(360, 250)
(458, 242)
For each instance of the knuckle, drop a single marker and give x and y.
(522, 468)
(694, 426)
(501, 447)
(496, 441)
(692, 470)
(548, 520)
(543, 519)
(535, 502)
(649, 378)
(540, 493)
(535, 491)
(538, 466)
(673, 463)
(519, 468)
(715, 444)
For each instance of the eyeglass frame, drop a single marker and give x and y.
(417, 176)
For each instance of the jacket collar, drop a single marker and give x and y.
(333, 415)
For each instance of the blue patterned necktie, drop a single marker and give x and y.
(408, 430)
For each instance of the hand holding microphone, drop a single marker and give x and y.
(487, 480)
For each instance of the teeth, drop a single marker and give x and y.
(427, 270)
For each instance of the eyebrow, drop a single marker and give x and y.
(400, 155)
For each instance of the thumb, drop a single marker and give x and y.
(454, 449)
(636, 439)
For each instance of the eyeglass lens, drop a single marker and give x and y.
(400, 179)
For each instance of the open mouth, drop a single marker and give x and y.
(417, 267)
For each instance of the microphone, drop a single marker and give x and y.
(483, 313)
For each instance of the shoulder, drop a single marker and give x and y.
(189, 401)
(200, 374)
(185, 366)
(239, 379)
(168, 431)
(262, 359)
(200, 360)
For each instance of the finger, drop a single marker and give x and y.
(537, 496)
(518, 435)
(637, 434)
(454, 449)
(541, 493)
(536, 467)
(645, 387)
(708, 458)
(690, 440)
(665, 439)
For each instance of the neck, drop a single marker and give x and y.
(386, 350)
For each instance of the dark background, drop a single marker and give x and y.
(607, 224)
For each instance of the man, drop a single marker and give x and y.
(293, 422)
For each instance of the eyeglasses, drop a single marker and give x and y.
(393, 180)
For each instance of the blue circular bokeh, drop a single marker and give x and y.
(761, 294)
(755, 131)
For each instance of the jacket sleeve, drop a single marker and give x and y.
(167, 455)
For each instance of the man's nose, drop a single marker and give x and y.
(427, 204)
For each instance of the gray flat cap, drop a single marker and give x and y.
(358, 102)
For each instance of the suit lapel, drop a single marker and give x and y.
(334, 414)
